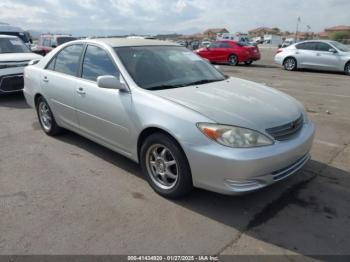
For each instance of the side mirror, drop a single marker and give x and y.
(111, 82)
(53, 46)
(332, 50)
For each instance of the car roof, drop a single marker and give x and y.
(123, 42)
(311, 41)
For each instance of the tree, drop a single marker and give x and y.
(340, 36)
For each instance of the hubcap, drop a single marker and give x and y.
(45, 116)
(162, 166)
(290, 64)
(348, 69)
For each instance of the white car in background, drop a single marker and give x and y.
(14, 56)
(317, 54)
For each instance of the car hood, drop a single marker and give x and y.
(237, 102)
(15, 57)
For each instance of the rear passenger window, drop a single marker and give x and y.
(67, 61)
(97, 63)
(307, 46)
(225, 45)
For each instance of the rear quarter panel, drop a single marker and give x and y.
(31, 83)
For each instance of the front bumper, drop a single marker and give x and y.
(235, 171)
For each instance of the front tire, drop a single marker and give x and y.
(233, 60)
(46, 118)
(165, 166)
(290, 64)
(347, 69)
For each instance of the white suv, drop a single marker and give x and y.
(14, 56)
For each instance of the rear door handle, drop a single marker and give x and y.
(318, 54)
(81, 91)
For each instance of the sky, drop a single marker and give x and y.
(118, 17)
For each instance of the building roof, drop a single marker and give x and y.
(338, 28)
(215, 30)
(122, 42)
(261, 29)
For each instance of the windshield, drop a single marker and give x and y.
(12, 45)
(63, 40)
(164, 67)
(341, 47)
(21, 35)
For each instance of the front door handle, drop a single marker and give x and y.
(81, 91)
(318, 54)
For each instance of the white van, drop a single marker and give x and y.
(14, 56)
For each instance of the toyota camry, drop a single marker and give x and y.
(164, 107)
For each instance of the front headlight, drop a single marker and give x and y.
(232, 136)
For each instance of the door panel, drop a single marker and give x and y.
(104, 114)
(59, 84)
(59, 90)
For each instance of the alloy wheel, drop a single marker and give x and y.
(162, 166)
(45, 116)
(290, 64)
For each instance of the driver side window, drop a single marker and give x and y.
(97, 63)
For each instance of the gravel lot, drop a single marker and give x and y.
(68, 195)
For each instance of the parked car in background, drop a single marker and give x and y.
(231, 52)
(6, 29)
(48, 42)
(14, 56)
(319, 55)
(287, 42)
(161, 105)
(205, 44)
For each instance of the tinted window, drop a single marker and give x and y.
(215, 45)
(225, 45)
(67, 61)
(66, 39)
(323, 47)
(97, 63)
(307, 46)
(12, 45)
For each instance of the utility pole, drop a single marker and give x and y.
(296, 32)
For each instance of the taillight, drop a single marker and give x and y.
(279, 51)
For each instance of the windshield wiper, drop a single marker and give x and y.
(161, 87)
(203, 81)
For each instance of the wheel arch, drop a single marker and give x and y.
(290, 56)
(346, 64)
(150, 131)
(36, 98)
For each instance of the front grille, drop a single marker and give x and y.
(291, 169)
(287, 131)
(11, 83)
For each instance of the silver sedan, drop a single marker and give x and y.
(318, 55)
(161, 105)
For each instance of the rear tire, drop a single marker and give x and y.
(165, 166)
(290, 64)
(347, 69)
(46, 118)
(233, 60)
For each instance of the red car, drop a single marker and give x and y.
(230, 52)
(48, 42)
